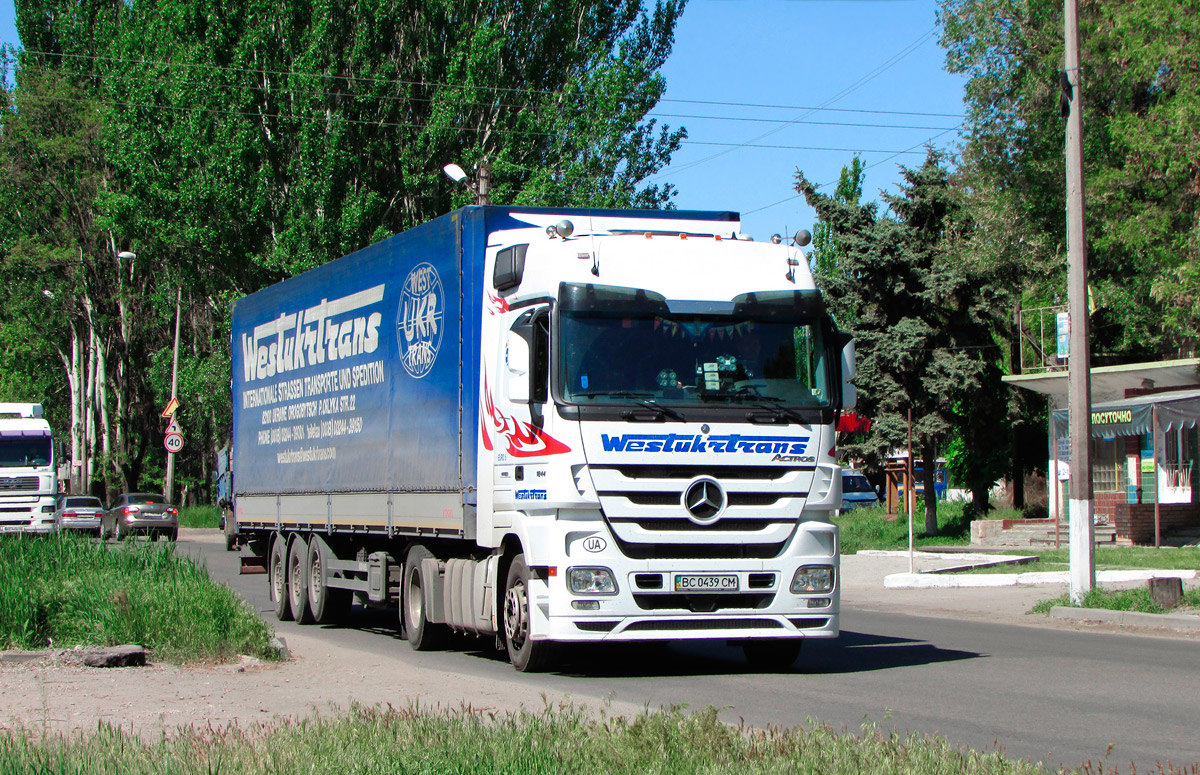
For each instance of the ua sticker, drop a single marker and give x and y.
(419, 319)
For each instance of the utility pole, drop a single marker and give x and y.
(1079, 387)
(484, 187)
(169, 481)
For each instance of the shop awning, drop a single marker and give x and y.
(1134, 416)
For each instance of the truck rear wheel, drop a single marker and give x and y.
(772, 656)
(278, 578)
(526, 654)
(422, 634)
(328, 604)
(297, 572)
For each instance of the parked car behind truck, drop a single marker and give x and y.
(78, 513)
(547, 426)
(145, 513)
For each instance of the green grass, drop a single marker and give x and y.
(1116, 557)
(199, 516)
(1136, 599)
(73, 590)
(868, 528)
(556, 740)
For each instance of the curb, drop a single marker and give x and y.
(1181, 622)
(938, 581)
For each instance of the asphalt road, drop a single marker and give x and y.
(1046, 694)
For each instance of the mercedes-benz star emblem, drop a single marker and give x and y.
(704, 500)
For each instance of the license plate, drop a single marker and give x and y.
(705, 582)
(11, 528)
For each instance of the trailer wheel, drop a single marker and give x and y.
(278, 578)
(772, 656)
(422, 634)
(527, 655)
(328, 604)
(297, 572)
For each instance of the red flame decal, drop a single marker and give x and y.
(498, 306)
(523, 439)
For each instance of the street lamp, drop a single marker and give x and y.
(481, 188)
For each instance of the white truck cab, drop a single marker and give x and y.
(28, 475)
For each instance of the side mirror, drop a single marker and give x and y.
(849, 392)
(516, 357)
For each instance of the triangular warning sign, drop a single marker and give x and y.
(174, 426)
(172, 405)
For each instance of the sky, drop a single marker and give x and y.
(820, 80)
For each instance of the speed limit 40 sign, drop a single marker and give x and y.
(173, 442)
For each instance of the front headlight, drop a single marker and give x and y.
(591, 581)
(813, 580)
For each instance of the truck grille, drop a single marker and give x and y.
(18, 483)
(645, 508)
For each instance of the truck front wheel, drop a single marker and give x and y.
(278, 578)
(526, 654)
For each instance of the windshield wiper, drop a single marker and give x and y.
(745, 392)
(668, 411)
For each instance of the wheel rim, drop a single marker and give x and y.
(416, 599)
(516, 615)
(278, 577)
(296, 577)
(316, 579)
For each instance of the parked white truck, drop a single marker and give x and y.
(28, 474)
(548, 426)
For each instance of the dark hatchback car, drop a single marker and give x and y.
(78, 512)
(140, 512)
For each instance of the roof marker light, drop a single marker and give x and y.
(682, 236)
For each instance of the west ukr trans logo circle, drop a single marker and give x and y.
(419, 320)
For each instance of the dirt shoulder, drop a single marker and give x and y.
(60, 695)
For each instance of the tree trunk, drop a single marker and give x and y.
(70, 366)
(928, 480)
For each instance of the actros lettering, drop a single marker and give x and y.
(312, 336)
(733, 443)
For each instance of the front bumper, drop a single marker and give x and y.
(763, 606)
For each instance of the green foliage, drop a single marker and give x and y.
(68, 590)
(371, 740)
(232, 144)
(922, 317)
(199, 516)
(1141, 93)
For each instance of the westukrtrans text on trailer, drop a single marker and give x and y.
(548, 426)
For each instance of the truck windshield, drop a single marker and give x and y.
(623, 345)
(24, 451)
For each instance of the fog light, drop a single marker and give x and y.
(813, 579)
(585, 605)
(818, 602)
(591, 581)
(48, 509)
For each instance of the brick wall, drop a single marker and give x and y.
(1135, 522)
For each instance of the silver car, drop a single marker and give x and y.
(140, 512)
(78, 512)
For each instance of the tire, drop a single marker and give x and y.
(230, 542)
(527, 655)
(119, 534)
(277, 578)
(327, 604)
(172, 535)
(297, 577)
(772, 656)
(422, 634)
